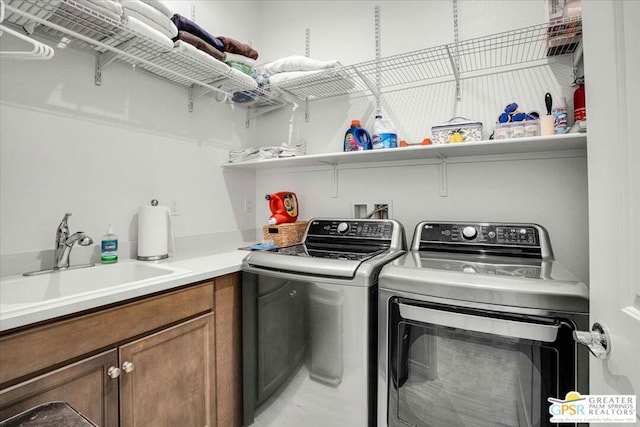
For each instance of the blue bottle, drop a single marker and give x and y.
(357, 138)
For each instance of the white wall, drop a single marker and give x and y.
(549, 191)
(100, 152)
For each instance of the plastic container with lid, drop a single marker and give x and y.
(458, 129)
(357, 138)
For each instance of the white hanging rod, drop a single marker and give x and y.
(39, 51)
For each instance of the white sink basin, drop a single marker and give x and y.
(91, 280)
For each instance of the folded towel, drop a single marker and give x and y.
(201, 44)
(244, 79)
(150, 16)
(244, 68)
(189, 26)
(192, 51)
(161, 6)
(108, 8)
(283, 150)
(140, 27)
(234, 57)
(280, 78)
(234, 46)
(298, 63)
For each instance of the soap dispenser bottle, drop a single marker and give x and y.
(109, 247)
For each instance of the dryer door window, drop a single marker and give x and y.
(450, 366)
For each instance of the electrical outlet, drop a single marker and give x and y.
(247, 206)
(174, 208)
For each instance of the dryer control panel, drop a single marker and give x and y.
(503, 239)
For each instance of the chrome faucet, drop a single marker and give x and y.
(65, 242)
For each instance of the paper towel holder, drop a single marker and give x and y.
(165, 255)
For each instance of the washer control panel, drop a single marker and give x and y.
(481, 234)
(351, 228)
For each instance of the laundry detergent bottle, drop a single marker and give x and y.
(357, 138)
(284, 207)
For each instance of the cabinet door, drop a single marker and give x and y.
(85, 385)
(171, 378)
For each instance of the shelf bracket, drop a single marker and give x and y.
(443, 177)
(371, 86)
(104, 59)
(247, 120)
(456, 72)
(307, 42)
(306, 110)
(197, 92)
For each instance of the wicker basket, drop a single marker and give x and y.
(285, 234)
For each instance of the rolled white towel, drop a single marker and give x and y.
(146, 30)
(298, 63)
(106, 7)
(234, 57)
(150, 16)
(161, 6)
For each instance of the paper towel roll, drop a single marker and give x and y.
(154, 231)
(546, 125)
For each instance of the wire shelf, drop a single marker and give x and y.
(454, 61)
(74, 24)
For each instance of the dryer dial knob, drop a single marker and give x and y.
(469, 232)
(343, 227)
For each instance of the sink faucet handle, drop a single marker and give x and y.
(63, 228)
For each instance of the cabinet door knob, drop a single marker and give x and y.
(128, 366)
(292, 294)
(113, 372)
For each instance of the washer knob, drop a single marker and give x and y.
(469, 232)
(343, 227)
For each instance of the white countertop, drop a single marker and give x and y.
(192, 270)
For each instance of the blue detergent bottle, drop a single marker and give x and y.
(357, 138)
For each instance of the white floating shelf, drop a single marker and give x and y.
(539, 144)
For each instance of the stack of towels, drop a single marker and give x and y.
(237, 155)
(222, 48)
(154, 13)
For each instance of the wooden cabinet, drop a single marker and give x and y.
(171, 380)
(85, 385)
(166, 341)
